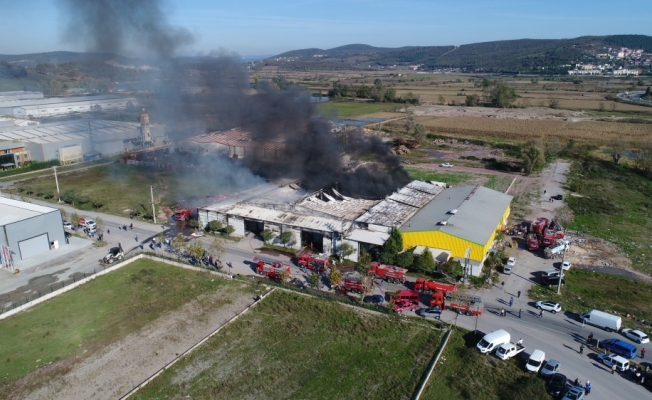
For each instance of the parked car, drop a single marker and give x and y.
(430, 312)
(446, 165)
(635, 335)
(507, 268)
(68, 225)
(566, 265)
(601, 319)
(574, 393)
(551, 273)
(535, 361)
(558, 197)
(554, 281)
(556, 384)
(622, 364)
(550, 368)
(375, 299)
(620, 347)
(548, 306)
(404, 305)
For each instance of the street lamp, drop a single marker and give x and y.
(56, 180)
(561, 274)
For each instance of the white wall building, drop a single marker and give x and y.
(62, 106)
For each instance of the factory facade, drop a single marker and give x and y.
(450, 222)
(28, 229)
(74, 141)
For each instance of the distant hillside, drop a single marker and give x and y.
(523, 55)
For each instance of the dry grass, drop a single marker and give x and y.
(515, 129)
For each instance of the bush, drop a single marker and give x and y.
(405, 259)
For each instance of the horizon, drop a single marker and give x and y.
(253, 28)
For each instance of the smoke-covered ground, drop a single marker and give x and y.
(225, 100)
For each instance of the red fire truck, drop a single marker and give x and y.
(532, 242)
(318, 262)
(461, 303)
(182, 214)
(429, 286)
(389, 273)
(352, 282)
(271, 268)
(548, 237)
(539, 225)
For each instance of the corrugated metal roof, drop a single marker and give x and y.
(415, 198)
(337, 205)
(238, 138)
(364, 236)
(65, 130)
(60, 100)
(479, 211)
(388, 213)
(428, 187)
(14, 210)
(288, 218)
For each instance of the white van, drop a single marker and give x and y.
(603, 320)
(535, 361)
(491, 341)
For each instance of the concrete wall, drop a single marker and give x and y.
(50, 223)
(238, 224)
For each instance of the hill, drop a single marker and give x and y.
(523, 55)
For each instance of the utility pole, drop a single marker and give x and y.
(561, 273)
(151, 192)
(56, 180)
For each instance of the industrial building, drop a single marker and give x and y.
(12, 155)
(29, 229)
(38, 108)
(72, 141)
(447, 221)
(19, 95)
(237, 143)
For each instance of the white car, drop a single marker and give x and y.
(635, 335)
(90, 224)
(68, 225)
(507, 268)
(548, 306)
(566, 265)
(446, 165)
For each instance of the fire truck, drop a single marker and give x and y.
(318, 262)
(539, 225)
(389, 273)
(532, 242)
(271, 268)
(182, 214)
(352, 282)
(429, 286)
(405, 297)
(548, 237)
(461, 303)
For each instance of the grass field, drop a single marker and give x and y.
(586, 290)
(615, 205)
(294, 346)
(354, 109)
(100, 312)
(495, 182)
(463, 373)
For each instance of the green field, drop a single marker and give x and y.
(353, 109)
(614, 205)
(586, 290)
(100, 312)
(294, 346)
(465, 374)
(495, 182)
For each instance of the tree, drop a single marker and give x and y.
(74, 219)
(196, 249)
(346, 249)
(553, 103)
(533, 158)
(392, 246)
(99, 223)
(64, 214)
(617, 148)
(502, 96)
(215, 226)
(267, 235)
(472, 100)
(495, 259)
(193, 223)
(334, 277)
(229, 230)
(441, 100)
(420, 133)
(217, 249)
(409, 122)
(564, 215)
(553, 148)
(314, 280)
(178, 242)
(405, 259)
(452, 268)
(425, 262)
(286, 237)
(97, 204)
(70, 196)
(364, 261)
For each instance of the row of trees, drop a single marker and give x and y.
(378, 93)
(493, 94)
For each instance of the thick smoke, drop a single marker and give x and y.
(226, 101)
(112, 26)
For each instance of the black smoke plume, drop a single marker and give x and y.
(226, 101)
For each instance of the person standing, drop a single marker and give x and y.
(502, 312)
(518, 294)
(587, 388)
(643, 351)
(541, 314)
(502, 285)
(511, 301)
(589, 340)
(520, 313)
(613, 368)
(582, 349)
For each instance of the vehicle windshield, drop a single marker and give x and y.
(484, 343)
(572, 395)
(549, 367)
(534, 363)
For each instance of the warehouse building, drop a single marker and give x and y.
(237, 143)
(460, 220)
(70, 141)
(12, 155)
(29, 229)
(54, 106)
(19, 95)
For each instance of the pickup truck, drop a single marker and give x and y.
(509, 350)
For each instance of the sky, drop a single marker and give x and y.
(264, 27)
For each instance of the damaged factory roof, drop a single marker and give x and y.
(333, 203)
(237, 137)
(289, 218)
(468, 212)
(402, 205)
(279, 191)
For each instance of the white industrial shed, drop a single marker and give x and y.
(19, 95)
(29, 229)
(36, 108)
(96, 137)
